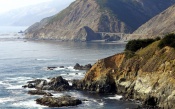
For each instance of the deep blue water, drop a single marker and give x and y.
(22, 61)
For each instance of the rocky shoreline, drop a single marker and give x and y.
(146, 76)
(57, 84)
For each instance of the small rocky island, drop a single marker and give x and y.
(144, 73)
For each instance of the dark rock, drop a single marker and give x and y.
(61, 66)
(57, 83)
(77, 84)
(151, 101)
(39, 92)
(30, 85)
(100, 86)
(25, 86)
(51, 68)
(80, 67)
(84, 100)
(58, 102)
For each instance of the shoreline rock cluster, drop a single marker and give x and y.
(81, 67)
(148, 76)
(56, 84)
(77, 66)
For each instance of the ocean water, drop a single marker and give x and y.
(23, 60)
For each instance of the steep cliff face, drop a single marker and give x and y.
(159, 25)
(99, 15)
(147, 76)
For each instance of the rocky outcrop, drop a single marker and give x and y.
(118, 16)
(58, 102)
(159, 25)
(57, 84)
(148, 76)
(86, 34)
(81, 67)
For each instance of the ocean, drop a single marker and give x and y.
(24, 60)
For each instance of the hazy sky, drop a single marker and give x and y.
(6, 5)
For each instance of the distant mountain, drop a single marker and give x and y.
(100, 15)
(161, 24)
(27, 16)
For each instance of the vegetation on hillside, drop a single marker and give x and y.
(135, 45)
(168, 40)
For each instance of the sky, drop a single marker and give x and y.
(7, 5)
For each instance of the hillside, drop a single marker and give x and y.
(28, 15)
(99, 15)
(148, 76)
(161, 24)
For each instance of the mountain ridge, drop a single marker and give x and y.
(81, 13)
(159, 25)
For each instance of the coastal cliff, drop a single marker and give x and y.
(116, 16)
(147, 75)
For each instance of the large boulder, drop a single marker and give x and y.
(58, 102)
(38, 84)
(56, 83)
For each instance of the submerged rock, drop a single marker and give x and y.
(58, 102)
(39, 92)
(51, 68)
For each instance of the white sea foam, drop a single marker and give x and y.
(19, 79)
(28, 104)
(57, 94)
(58, 69)
(117, 97)
(101, 104)
(7, 99)
(12, 87)
(1, 82)
(44, 59)
(70, 83)
(71, 68)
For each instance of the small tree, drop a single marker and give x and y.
(168, 40)
(135, 45)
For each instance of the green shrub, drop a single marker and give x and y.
(168, 40)
(129, 54)
(135, 45)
